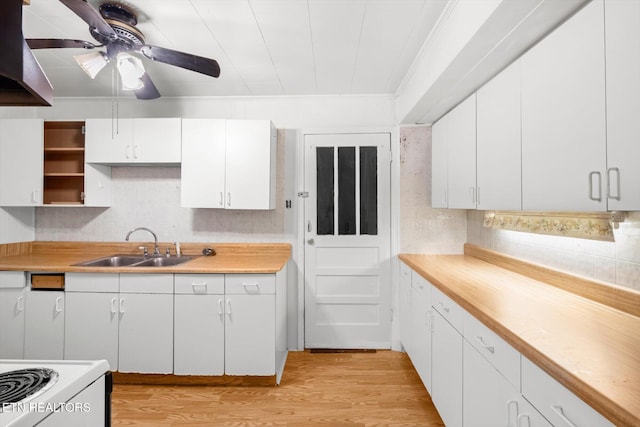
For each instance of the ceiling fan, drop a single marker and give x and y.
(114, 26)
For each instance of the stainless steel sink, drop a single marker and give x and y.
(135, 261)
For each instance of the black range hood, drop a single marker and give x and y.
(22, 81)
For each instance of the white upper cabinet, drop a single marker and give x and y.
(499, 142)
(622, 28)
(122, 141)
(461, 146)
(228, 164)
(563, 117)
(203, 163)
(250, 177)
(439, 163)
(21, 162)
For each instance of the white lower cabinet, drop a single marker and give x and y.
(12, 310)
(44, 325)
(91, 317)
(199, 324)
(405, 308)
(145, 339)
(421, 319)
(446, 375)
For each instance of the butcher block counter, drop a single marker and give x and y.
(62, 257)
(584, 334)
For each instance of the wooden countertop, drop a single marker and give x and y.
(589, 347)
(61, 257)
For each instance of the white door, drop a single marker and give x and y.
(157, 140)
(21, 155)
(347, 226)
(12, 323)
(108, 141)
(44, 325)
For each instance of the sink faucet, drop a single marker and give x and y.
(156, 251)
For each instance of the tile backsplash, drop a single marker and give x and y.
(615, 262)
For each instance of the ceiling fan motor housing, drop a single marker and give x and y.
(123, 22)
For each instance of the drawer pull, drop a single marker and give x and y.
(220, 309)
(558, 410)
(20, 304)
(522, 417)
(229, 307)
(487, 347)
(121, 305)
(509, 405)
(444, 307)
(251, 288)
(113, 305)
(59, 305)
(199, 288)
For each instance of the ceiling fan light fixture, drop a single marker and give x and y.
(92, 62)
(131, 71)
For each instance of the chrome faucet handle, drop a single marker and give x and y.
(178, 249)
(168, 252)
(146, 251)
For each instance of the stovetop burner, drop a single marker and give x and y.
(20, 384)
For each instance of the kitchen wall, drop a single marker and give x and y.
(422, 228)
(614, 262)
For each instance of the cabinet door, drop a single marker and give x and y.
(250, 335)
(405, 308)
(97, 185)
(199, 335)
(146, 333)
(461, 169)
(421, 320)
(499, 174)
(21, 162)
(251, 164)
(108, 140)
(622, 28)
(91, 327)
(203, 163)
(12, 305)
(447, 371)
(563, 117)
(44, 325)
(439, 163)
(157, 140)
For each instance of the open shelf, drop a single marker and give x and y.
(63, 163)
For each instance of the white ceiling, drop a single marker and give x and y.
(264, 47)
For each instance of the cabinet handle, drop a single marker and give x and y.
(113, 305)
(251, 288)
(443, 307)
(121, 306)
(221, 199)
(199, 288)
(524, 417)
(59, 305)
(489, 348)
(609, 195)
(309, 226)
(558, 410)
(591, 196)
(135, 151)
(220, 309)
(229, 307)
(511, 403)
(127, 150)
(20, 304)
(228, 198)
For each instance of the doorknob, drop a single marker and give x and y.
(311, 241)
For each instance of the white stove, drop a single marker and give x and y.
(58, 393)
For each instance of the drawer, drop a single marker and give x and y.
(212, 284)
(417, 281)
(447, 308)
(92, 282)
(146, 283)
(255, 284)
(497, 351)
(557, 403)
(12, 279)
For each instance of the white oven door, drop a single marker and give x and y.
(86, 408)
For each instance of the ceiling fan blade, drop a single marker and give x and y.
(91, 16)
(149, 90)
(188, 61)
(60, 43)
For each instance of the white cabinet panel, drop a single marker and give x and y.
(447, 371)
(203, 163)
(461, 146)
(250, 335)
(563, 117)
(499, 157)
(44, 325)
(108, 140)
(421, 324)
(146, 333)
(97, 185)
(199, 335)
(406, 338)
(21, 162)
(91, 327)
(12, 310)
(622, 28)
(439, 135)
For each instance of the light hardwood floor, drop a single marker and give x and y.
(330, 389)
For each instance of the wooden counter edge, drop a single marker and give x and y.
(615, 413)
(618, 297)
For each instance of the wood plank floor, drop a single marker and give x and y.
(330, 389)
